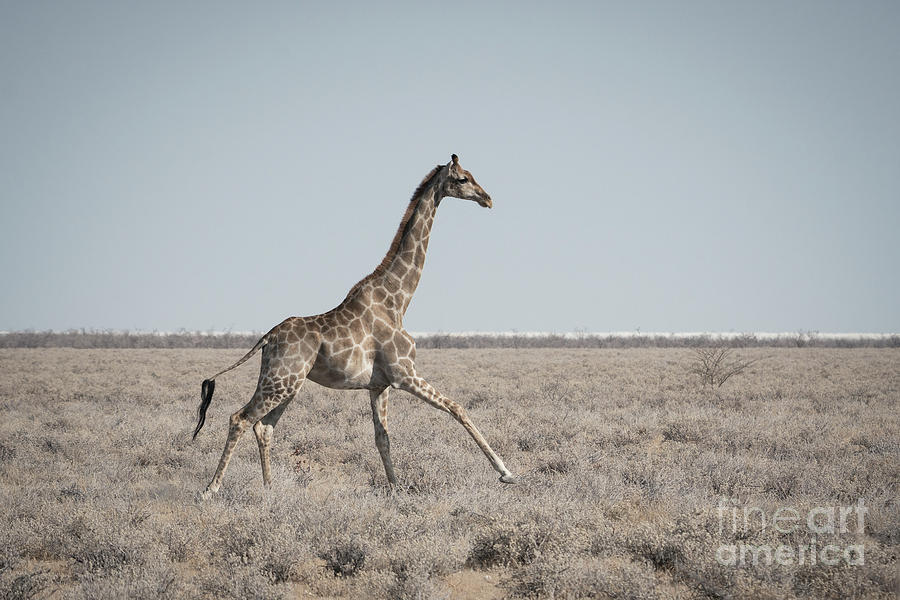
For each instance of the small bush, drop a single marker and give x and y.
(345, 559)
(27, 585)
(512, 545)
(715, 366)
(7, 453)
(240, 582)
(107, 557)
(681, 432)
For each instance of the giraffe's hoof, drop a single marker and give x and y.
(204, 495)
(508, 479)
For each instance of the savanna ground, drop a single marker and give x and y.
(626, 462)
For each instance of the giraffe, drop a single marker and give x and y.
(358, 345)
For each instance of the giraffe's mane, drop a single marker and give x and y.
(401, 230)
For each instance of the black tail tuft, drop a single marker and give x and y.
(206, 393)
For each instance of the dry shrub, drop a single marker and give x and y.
(238, 581)
(157, 581)
(516, 544)
(7, 453)
(682, 431)
(24, 586)
(344, 558)
(715, 366)
(565, 577)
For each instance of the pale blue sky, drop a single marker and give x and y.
(671, 166)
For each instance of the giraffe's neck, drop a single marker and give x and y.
(403, 266)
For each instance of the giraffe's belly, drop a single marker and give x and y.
(348, 370)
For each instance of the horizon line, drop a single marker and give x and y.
(498, 334)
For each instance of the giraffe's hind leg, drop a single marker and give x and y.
(289, 352)
(264, 429)
(261, 403)
(282, 372)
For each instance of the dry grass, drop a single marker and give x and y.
(625, 458)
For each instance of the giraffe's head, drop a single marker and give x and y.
(459, 183)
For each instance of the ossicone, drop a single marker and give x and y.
(455, 159)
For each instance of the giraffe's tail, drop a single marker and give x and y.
(206, 392)
(209, 385)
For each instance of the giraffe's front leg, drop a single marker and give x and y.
(379, 401)
(422, 389)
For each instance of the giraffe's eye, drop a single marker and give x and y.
(463, 179)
